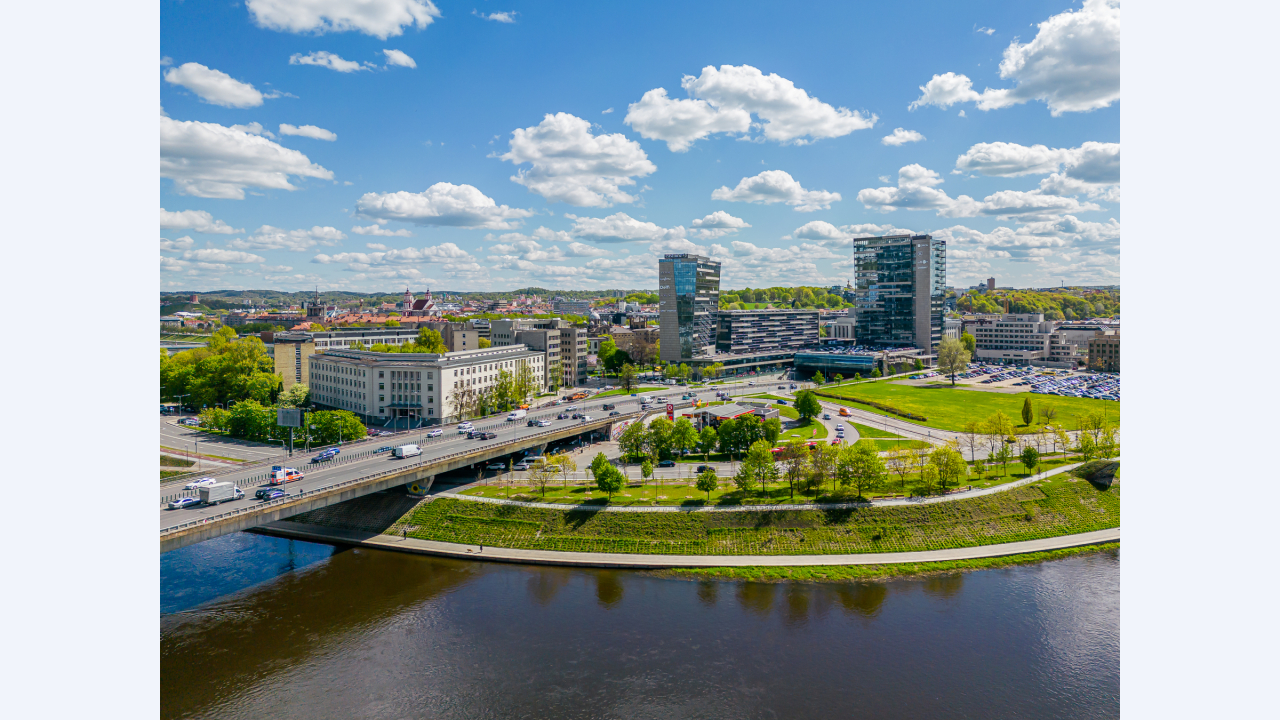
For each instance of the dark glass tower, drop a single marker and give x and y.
(900, 289)
(689, 300)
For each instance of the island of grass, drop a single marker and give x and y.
(636, 390)
(883, 440)
(1049, 508)
(950, 408)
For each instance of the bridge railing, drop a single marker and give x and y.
(355, 481)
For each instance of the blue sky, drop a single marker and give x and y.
(372, 145)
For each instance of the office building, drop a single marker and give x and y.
(291, 353)
(572, 307)
(414, 388)
(843, 329)
(688, 301)
(1024, 339)
(547, 341)
(900, 287)
(1104, 352)
(751, 331)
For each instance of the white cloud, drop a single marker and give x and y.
(214, 86)
(275, 268)
(578, 249)
(917, 190)
(573, 166)
(722, 101)
(1061, 248)
(1092, 169)
(183, 243)
(606, 112)
(380, 231)
(773, 186)
(530, 250)
(379, 18)
(1072, 65)
(901, 137)
(375, 246)
(825, 234)
(254, 128)
(326, 59)
(621, 227)
(443, 204)
(218, 255)
(274, 238)
(396, 57)
(502, 17)
(676, 245)
(986, 30)
(717, 225)
(196, 220)
(209, 160)
(1004, 159)
(310, 131)
(358, 261)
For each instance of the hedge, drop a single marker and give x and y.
(877, 405)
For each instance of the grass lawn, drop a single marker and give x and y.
(1026, 513)
(166, 474)
(950, 408)
(637, 390)
(882, 440)
(168, 461)
(203, 454)
(766, 396)
(812, 431)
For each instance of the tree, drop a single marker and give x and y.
(646, 472)
(818, 379)
(1003, 456)
(795, 463)
(628, 376)
(713, 370)
(683, 437)
(949, 465)
(634, 440)
(876, 373)
(969, 343)
(564, 462)
(607, 349)
(839, 378)
(1085, 446)
(952, 358)
(659, 440)
(862, 468)
(807, 406)
(772, 430)
(609, 479)
(295, 396)
(972, 434)
(757, 467)
(996, 428)
(541, 473)
(484, 343)
(391, 323)
(598, 463)
(1027, 414)
(823, 462)
(919, 364)
(707, 481)
(900, 462)
(1030, 459)
(727, 434)
(707, 442)
(317, 327)
(857, 376)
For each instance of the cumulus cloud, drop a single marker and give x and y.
(442, 253)
(578, 249)
(901, 137)
(917, 190)
(274, 238)
(774, 186)
(1065, 247)
(209, 160)
(527, 249)
(571, 165)
(253, 128)
(1072, 65)
(1004, 159)
(717, 224)
(214, 86)
(218, 255)
(310, 131)
(379, 18)
(1092, 169)
(183, 243)
(502, 17)
(621, 227)
(380, 231)
(398, 58)
(326, 59)
(195, 220)
(825, 234)
(442, 204)
(723, 100)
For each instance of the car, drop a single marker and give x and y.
(530, 422)
(562, 416)
(183, 502)
(703, 468)
(384, 448)
(544, 423)
(523, 465)
(495, 466)
(191, 422)
(571, 408)
(608, 406)
(577, 416)
(270, 494)
(782, 387)
(486, 436)
(751, 382)
(464, 429)
(614, 412)
(262, 492)
(435, 433)
(826, 416)
(794, 386)
(586, 418)
(666, 463)
(202, 482)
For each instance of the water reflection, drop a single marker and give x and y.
(608, 588)
(756, 598)
(708, 592)
(862, 598)
(944, 586)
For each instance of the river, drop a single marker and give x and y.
(259, 627)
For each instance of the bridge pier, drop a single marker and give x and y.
(421, 487)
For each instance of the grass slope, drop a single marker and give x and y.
(950, 408)
(1035, 511)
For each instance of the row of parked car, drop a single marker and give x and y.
(1098, 387)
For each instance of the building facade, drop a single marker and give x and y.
(900, 289)
(547, 341)
(292, 355)
(418, 388)
(688, 301)
(1104, 352)
(743, 331)
(1024, 339)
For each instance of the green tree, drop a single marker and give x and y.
(948, 464)
(839, 378)
(598, 463)
(707, 481)
(627, 376)
(969, 343)
(807, 406)
(707, 441)
(795, 463)
(953, 359)
(823, 461)
(634, 440)
(867, 472)
(541, 473)
(876, 373)
(857, 376)
(919, 364)
(429, 341)
(772, 430)
(609, 480)
(332, 426)
(1030, 459)
(818, 379)
(683, 436)
(1003, 455)
(565, 464)
(1027, 413)
(295, 396)
(391, 323)
(900, 462)
(646, 472)
(757, 467)
(728, 436)
(317, 327)
(483, 343)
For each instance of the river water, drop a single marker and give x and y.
(259, 627)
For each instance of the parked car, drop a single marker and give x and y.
(202, 482)
(523, 464)
(496, 466)
(183, 502)
(666, 463)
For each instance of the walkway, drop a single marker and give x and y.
(318, 533)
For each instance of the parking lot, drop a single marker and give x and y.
(1004, 378)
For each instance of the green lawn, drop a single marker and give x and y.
(950, 408)
(637, 390)
(882, 440)
(168, 461)
(1025, 513)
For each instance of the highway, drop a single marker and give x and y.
(321, 475)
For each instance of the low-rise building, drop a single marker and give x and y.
(843, 329)
(743, 331)
(1024, 339)
(1104, 352)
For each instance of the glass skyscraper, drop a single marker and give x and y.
(899, 291)
(689, 300)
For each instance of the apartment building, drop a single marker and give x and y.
(291, 354)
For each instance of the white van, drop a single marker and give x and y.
(405, 451)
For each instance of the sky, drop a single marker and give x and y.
(373, 145)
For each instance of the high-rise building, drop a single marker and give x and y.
(688, 302)
(991, 284)
(900, 289)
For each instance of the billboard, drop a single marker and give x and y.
(671, 412)
(289, 417)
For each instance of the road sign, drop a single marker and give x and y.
(289, 417)
(671, 412)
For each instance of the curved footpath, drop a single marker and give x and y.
(319, 533)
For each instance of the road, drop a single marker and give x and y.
(326, 474)
(184, 440)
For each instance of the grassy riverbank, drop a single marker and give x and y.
(846, 573)
(1044, 509)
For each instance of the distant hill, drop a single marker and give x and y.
(185, 307)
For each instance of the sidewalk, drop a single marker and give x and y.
(319, 533)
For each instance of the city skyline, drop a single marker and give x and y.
(330, 147)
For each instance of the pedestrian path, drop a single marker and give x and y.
(319, 533)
